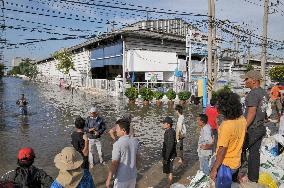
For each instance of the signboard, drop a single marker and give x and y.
(154, 76)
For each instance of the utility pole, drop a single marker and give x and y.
(209, 65)
(264, 41)
(215, 54)
(188, 58)
(248, 56)
(237, 42)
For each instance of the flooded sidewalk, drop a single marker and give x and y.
(50, 122)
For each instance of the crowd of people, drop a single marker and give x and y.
(225, 144)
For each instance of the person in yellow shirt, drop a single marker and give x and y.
(231, 135)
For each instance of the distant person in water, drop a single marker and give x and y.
(22, 103)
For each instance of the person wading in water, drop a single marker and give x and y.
(22, 103)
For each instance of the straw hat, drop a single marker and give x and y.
(68, 159)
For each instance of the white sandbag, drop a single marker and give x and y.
(270, 163)
(177, 185)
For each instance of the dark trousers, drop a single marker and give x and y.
(252, 144)
(215, 135)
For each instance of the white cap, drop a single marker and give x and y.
(93, 109)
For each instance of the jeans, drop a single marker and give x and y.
(204, 164)
(92, 150)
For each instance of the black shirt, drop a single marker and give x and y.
(79, 143)
(169, 145)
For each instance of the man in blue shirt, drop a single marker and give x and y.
(95, 127)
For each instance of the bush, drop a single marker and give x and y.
(184, 95)
(131, 93)
(158, 95)
(226, 88)
(146, 94)
(277, 73)
(171, 94)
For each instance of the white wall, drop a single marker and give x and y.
(146, 61)
(82, 66)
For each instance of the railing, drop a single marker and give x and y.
(161, 86)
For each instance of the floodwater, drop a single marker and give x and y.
(49, 124)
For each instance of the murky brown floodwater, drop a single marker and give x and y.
(49, 124)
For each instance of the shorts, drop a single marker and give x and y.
(168, 166)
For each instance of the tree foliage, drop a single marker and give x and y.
(2, 68)
(25, 68)
(65, 62)
(226, 88)
(249, 67)
(277, 73)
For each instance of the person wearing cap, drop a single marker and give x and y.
(95, 127)
(71, 174)
(169, 149)
(256, 103)
(27, 175)
(125, 156)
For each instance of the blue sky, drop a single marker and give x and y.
(247, 13)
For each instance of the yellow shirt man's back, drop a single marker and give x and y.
(231, 134)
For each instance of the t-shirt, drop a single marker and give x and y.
(205, 137)
(257, 98)
(212, 114)
(231, 134)
(125, 150)
(77, 141)
(180, 128)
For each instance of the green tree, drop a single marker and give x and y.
(25, 68)
(277, 73)
(65, 62)
(2, 68)
(249, 67)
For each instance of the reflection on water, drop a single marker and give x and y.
(51, 112)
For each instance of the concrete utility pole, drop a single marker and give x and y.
(215, 50)
(237, 46)
(264, 41)
(249, 46)
(209, 65)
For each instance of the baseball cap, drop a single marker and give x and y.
(26, 154)
(168, 120)
(253, 74)
(93, 109)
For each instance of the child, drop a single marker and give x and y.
(180, 131)
(205, 143)
(169, 148)
(80, 141)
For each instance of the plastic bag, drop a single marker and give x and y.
(267, 180)
(224, 177)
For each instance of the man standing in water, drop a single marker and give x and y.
(95, 127)
(255, 112)
(22, 103)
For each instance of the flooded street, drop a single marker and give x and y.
(49, 124)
